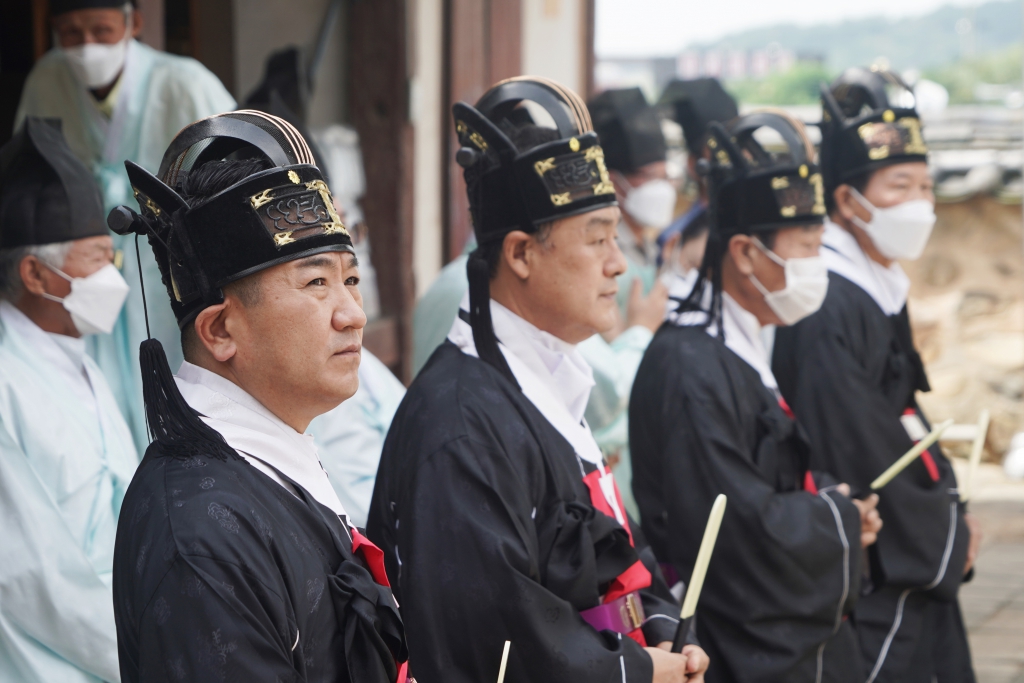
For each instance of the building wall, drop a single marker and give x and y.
(427, 114)
(554, 37)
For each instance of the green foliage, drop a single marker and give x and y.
(799, 85)
(961, 77)
(922, 42)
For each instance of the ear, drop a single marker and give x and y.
(137, 22)
(31, 272)
(515, 252)
(740, 247)
(212, 328)
(847, 204)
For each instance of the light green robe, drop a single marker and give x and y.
(64, 470)
(159, 95)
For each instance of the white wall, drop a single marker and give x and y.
(426, 113)
(553, 36)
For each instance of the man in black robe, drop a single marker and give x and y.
(234, 559)
(707, 419)
(497, 515)
(851, 372)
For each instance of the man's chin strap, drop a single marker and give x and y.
(479, 275)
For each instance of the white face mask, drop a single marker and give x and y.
(95, 301)
(806, 286)
(651, 204)
(901, 231)
(96, 65)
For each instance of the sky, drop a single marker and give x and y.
(664, 27)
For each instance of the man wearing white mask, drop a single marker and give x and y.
(706, 418)
(66, 454)
(120, 99)
(631, 135)
(851, 374)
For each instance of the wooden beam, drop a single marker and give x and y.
(483, 45)
(588, 58)
(152, 33)
(40, 27)
(379, 111)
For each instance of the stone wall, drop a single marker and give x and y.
(967, 310)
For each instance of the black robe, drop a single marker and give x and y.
(490, 535)
(785, 569)
(849, 372)
(221, 574)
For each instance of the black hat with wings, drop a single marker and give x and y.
(46, 194)
(869, 120)
(270, 217)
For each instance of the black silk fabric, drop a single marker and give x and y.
(781, 578)
(849, 372)
(489, 535)
(221, 574)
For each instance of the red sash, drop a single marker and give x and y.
(926, 457)
(636, 576)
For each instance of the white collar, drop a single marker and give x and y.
(887, 286)
(744, 335)
(551, 373)
(261, 437)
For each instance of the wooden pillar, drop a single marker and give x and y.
(152, 33)
(379, 111)
(483, 45)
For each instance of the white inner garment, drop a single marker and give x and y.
(887, 286)
(551, 373)
(259, 436)
(744, 335)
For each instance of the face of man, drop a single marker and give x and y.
(745, 258)
(86, 257)
(82, 26)
(566, 283)
(296, 348)
(899, 183)
(887, 187)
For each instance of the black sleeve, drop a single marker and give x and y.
(856, 435)
(785, 567)
(462, 599)
(213, 621)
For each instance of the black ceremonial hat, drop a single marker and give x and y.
(62, 6)
(554, 173)
(762, 183)
(869, 121)
(519, 189)
(46, 194)
(271, 217)
(696, 103)
(629, 129)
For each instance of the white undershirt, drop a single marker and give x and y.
(744, 334)
(552, 373)
(259, 436)
(64, 354)
(887, 286)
